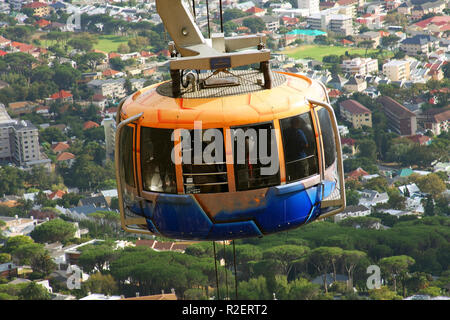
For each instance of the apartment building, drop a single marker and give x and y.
(400, 119)
(341, 24)
(109, 125)
(397, 70)
(40, 9)
(311, 5)
(19, 140)
(357, 114)
(113, 88)
(437, 120)
(338, 23)
(419, 44)
(360, 66)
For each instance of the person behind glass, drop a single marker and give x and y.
(297, 144)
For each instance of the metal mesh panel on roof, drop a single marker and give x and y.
(248, 80)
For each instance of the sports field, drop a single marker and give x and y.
(317, 52)
(110, 43)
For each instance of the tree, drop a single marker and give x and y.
(254, 24)
(13, 243)
(432, 184)
(53, 231)
(34, 291)
(96, 257)
(324, 260)
(43, 264)
(302, 289)
(285, 254)
(99, 283)
(81, 43)
(383, 293)
(396, 200)
(123, 48)
(352, 197)
(350, 259)
(254, 289)
(92, 59)
(396, 268)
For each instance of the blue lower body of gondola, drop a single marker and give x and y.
(282, 208)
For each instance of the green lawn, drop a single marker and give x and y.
(317, 52)
(110, 43)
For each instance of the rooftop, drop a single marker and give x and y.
(354, 107)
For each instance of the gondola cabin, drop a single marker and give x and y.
(220, 152)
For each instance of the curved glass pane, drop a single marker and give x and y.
(157, 168)
(126, 155)
(300, 149)
(256, 163)
(329, 145)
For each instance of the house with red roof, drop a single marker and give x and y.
(436, 24)
(3, 53)
(346, 42)
(60, 147)
(42, 23)
(357, 174)
(420, 139)
(357, 114)
(350, 143)
(62, 96)
(67, 158)
(110, 73)
(99, 101)
(40, 9)
(90, 124)
(112, 55)
(256, 11)
(58, 194)
(290, 21)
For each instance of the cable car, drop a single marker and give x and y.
(221, 152)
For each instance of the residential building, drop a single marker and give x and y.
(341, 24)
(109, 124)
(40, 9)
(420, 10)
(8, 270)
(400, 119)
(419, 44)
(16, 226)
(436, 24)
(370, 198)
(311, 5)
(397, 70)
(272, 23)
(19, 140)
(361, 66)
(352, 212)
(114, 88)
(61, 96)
(355, 113)
(67, 158)
(437, 120)
(331, 20)
(21, 107)
(356, 84)
(369, 36)
(256, 11)
(338, 82)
